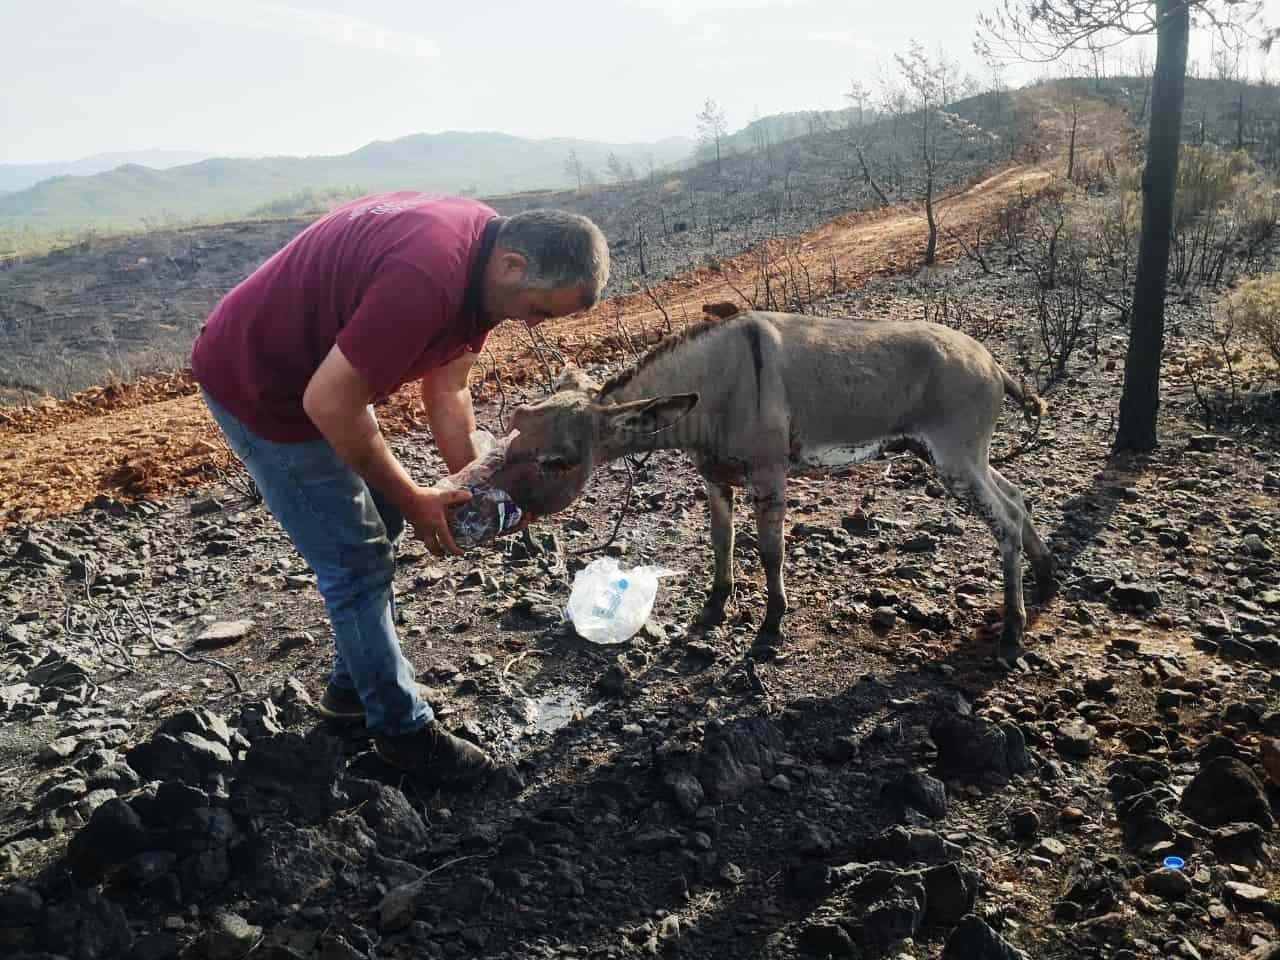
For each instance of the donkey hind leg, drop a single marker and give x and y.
(720, 506)
(1041, 556)
(769, 496)
(974, 484)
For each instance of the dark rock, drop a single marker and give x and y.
(686, 789)
(1024, 823)
(260, 720)
(468, 895)
(921, 543)
(1254, 546)
(204, 828)
(87, 927)
(1246, 898)
(149, 866)
(119, 777)
(223, 634)
(1051, 848)
(1226, 791)
(230, 937)
(113, 834)
(156, 946)
(187, 756)
(1238, 843)
(951, 893)
(285, 863)
(813, 840)
(809, 881)
(398, 908)
(739, 757)
(1271, 760)
(199, 721)
(1135, 596)
(20, 906)
(907, 845)
(174, 800)
(293, 701)
(300, 771)
(969, 746)
(68, 791)
(398, 827)
(57, 672)
(733, 758)
(888, 921)
(827, 940)
(916, 791)
(1075, 739)
(1169, 884)
(204, 872)
(974, 940)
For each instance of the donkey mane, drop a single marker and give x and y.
(668, 344)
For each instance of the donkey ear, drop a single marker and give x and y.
(644, 418)
(571, 377)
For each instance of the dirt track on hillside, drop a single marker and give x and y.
(153, 436)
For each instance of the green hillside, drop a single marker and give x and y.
(484, 163)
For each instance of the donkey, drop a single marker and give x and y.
(758, 396)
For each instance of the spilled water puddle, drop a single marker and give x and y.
(555, 709)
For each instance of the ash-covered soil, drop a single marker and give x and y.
(888, 792)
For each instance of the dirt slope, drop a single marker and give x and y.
(153, 436)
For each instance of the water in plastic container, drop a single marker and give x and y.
(488, 514)
(609, 604)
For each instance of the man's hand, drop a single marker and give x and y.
(428, 512)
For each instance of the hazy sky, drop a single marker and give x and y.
(326, 76)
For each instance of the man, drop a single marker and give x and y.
(382, 291)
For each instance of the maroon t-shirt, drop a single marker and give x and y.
(393, 279)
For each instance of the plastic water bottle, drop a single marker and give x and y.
(608, 604)
(609, 600)
(488, 514)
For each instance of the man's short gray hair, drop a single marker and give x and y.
(563, 249)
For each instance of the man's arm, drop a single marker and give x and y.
(337, 400)
(447, 400)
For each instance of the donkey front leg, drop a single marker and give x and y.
(720, 506)
(769, 492)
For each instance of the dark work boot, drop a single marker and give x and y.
(436, 756)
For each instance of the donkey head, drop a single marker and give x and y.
(560, 440)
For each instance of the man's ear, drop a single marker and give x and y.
(573, 378)
(511, 265)
(644, 418)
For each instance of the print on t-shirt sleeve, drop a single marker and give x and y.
(402, 313)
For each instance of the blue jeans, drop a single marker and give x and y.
(345, 531)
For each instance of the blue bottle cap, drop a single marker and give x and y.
(1174, 863)
(623, 584)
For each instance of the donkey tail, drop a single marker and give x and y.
(1033, 409)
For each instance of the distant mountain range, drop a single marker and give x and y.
(486, 163)
(19, 176)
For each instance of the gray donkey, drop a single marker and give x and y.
(760, 396)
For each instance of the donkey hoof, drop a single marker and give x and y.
(1046, 581)
(712, 615)
(1010, 650)
(766, 646)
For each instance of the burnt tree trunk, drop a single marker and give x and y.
(931, 249)
(1071, 149)
(1240, 119)
(1140, 401)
